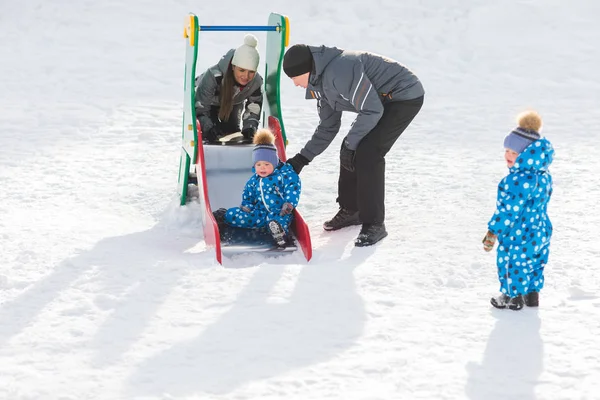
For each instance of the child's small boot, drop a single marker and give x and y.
(504, 301)
(278, 233)
(532, 299)
(220, 217)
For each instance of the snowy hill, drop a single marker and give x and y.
(108, 292)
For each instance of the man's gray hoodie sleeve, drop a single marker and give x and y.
(206, 88)
(329, 125)
(354, 86)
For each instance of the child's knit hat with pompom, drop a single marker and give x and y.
(526, 133)
(264, 149)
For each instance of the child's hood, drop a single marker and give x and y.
(537, 157)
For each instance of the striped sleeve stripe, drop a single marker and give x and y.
(366, 95)
(362, 94)
(357, 86)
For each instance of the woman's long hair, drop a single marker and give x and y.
(226, 100)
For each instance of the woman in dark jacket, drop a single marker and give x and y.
(230, 92)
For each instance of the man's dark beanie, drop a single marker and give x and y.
(298, 60)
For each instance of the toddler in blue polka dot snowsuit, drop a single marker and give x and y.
(520, 223)
(271, 193)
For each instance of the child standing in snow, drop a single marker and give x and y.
(520, 223)
(269, 196)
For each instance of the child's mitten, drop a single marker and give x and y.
(488, 241)
(286, 209)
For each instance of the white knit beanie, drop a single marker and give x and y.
(246, 55)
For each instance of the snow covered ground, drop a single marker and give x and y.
(108, 292)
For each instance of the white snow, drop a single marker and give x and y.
(107, 290)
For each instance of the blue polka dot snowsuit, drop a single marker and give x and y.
(521, 220)
(264, 197)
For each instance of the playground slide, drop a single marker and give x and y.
(223, 169)
(222, 172)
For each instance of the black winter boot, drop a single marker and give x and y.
(342, 219)
(503, 301)
(532, 299)
(220, 217)
(370, 234)
(278, 233)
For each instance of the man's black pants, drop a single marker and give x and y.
(364, 189)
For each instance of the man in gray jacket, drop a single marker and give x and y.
(386, 96)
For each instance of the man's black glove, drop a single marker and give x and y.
(347, 157)
(249, 132)
(298, 162)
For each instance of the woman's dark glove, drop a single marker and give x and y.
(248, 133)
(213, 134)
